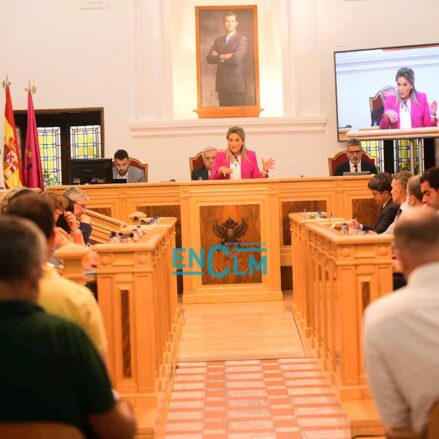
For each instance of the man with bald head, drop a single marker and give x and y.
(402, 329)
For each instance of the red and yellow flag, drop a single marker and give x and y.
(11, 152)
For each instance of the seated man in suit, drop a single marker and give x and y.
(380, 186)
(203, 173)
(402, 330)
(354, 152)
(430, 188)
(123, 170)
(399, 195)
(50, 370)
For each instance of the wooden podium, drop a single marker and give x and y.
(242, 214)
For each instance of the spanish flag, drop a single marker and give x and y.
(11, 152)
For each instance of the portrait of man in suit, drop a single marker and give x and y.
(226, 56)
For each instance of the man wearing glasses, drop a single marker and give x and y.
(354, 153)
(80, 199)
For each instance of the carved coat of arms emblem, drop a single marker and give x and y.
(230, 231)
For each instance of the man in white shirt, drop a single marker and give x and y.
(402, 329)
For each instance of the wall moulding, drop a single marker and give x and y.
(219, 126)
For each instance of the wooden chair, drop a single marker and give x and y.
(376, 106)
(196, 162)
(432, 431)
(138, 164)
(341, 158)
(39, 430)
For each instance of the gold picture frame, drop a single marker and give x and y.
(227, 61)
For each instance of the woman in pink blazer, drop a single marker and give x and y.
(237, 162)
(410, 101)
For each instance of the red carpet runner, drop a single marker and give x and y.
(254, 399)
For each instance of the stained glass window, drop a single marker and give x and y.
(375, 148)
(403, 150)
(49, 139)
(85, 142)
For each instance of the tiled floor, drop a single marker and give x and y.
(254, 399)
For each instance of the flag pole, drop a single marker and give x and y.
(6, 83)
(30, 88)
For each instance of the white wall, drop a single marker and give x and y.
(136, 58)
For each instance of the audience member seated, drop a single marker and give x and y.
(66, 226)
(237, 162)
(380, 186)
(355, 162)
(402, 329)
(80, 200)
(123, 170)
(430, 188)
(59, 295)
(203, 173)
(10, 194)
(399, 196)
(414, 192)
(50, 371)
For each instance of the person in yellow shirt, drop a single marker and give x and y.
(59, 295)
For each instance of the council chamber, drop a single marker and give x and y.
(244, 202)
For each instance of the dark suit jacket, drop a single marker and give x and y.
(385, 218)
(346, 168)
(200, 172)
(230, 72)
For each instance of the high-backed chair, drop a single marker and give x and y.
(376, 108)
(39, 430)
(138, 164)
(341, 158)
(196, 162)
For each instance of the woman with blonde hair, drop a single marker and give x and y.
(237, 162)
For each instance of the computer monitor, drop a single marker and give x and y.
(90, 171)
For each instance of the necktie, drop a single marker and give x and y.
(356, 168)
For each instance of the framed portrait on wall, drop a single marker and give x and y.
(227, 61)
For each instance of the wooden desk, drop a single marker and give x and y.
(264, 204)
(337, 277)
(138, 300)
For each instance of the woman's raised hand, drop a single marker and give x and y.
(268, 164)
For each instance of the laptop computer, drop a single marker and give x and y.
(349, 174)
(119, 180)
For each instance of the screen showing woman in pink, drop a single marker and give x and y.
(409, 108)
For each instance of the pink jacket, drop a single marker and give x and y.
(249, 168)
(420, 112)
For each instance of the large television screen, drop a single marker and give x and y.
(366, 86)
(90, 171)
